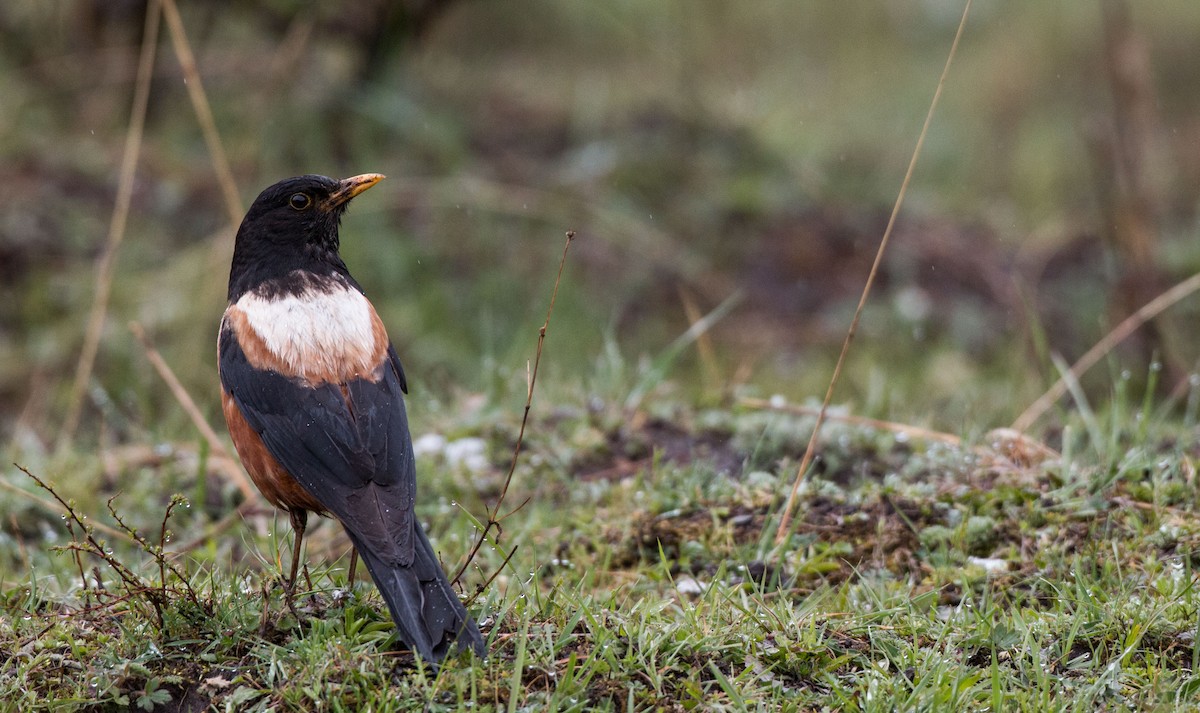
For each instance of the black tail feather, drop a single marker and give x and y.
(430, 618)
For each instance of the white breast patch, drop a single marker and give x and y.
(318, 335)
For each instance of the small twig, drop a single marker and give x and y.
(50, 507)
(110, 602)
(79, 563)
(116, 227)
(494, 518)
(208, 125)
(786, 520)
(911, 431)
(704, 345)
(29, 640)
(1128, 326)
(218, 527)
(249, 492)
(515, 510)
(158, 552)
(488, 582)
(265, 617)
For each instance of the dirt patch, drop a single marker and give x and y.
(633, 448)
(881, 534)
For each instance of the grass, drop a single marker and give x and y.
(919, 575)
(743, 172)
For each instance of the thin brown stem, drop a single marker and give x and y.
(704, 345)
(249, 492)
(810, 451)
(79, 563)
(492, 577)
(494, 518)
(106, 266)
(1128, 326)
(208, 125)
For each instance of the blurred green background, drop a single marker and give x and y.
(701, 150)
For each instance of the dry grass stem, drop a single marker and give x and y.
(53, 508)
(116, 227)
(891, 426)
(1128, 326)
(494, 517)
(810, 451)
(704, 345)
(189, 406)
(208, 125)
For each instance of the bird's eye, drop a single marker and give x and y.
(299, 201)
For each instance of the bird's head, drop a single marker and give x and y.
(293, 224)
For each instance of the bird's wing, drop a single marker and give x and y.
(347, 444)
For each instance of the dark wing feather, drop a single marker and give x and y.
(351, 451)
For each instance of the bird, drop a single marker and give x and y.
(312, 391)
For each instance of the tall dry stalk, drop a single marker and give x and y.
(116, 228)
(494, 517)
(208, 125)
(1128, 326)
(785, 521)
(105, 267)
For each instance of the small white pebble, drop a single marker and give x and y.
(991, 564)
(689, 586)
(470, 453)
(429, 444)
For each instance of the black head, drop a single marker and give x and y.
(293, 225)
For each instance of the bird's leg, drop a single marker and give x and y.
(308, 581)
(299, 523)
(353, 565)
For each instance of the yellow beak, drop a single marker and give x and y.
(350, 187)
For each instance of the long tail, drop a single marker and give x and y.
(431, 619)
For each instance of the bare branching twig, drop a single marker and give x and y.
(88, 544)
(136, 590)
(494, 516)
(158, 552)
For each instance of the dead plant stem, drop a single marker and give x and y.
(494, 517)
(105, 267)
(1128, 326)
(249, 492)
(208, 125)
(809, 452)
